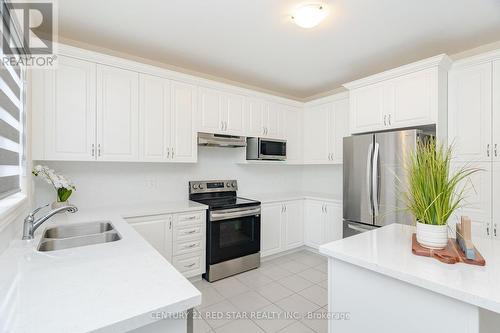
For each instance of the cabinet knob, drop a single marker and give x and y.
(385, 120)
(488, 150)
(495, 150)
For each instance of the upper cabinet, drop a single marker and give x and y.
(117, 114)
(64, 111)
(470, 114)
(220, 112)
(292, 123)
(326, 123)
(408, 96)
(166, 126)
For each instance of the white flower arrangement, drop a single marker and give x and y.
(63, 186)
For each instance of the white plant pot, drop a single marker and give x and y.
(432, 236)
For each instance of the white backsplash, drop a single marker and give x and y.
(107, 183)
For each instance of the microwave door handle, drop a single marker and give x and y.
(375, 182)
(368, 177)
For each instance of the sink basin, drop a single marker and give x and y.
(78, 235)
(67, 243)
(76, 230)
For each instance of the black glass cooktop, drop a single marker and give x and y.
(226, 203)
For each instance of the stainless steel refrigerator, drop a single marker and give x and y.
(374, 178)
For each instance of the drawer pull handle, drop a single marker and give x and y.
(190, 246)
(190, 232)
(190, 218)
(190, 265)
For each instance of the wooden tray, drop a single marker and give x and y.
(451, 254)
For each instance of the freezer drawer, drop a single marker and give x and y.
(353, 228)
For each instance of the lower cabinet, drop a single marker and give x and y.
(180, 238)
(322, 222)
(282, 226)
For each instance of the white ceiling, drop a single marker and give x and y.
(255, 43)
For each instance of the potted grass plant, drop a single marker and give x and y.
(434, 192)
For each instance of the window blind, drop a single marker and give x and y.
(11, 127)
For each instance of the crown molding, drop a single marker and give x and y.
(477, 59)
(442, 61)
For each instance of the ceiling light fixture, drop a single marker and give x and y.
(309, 16)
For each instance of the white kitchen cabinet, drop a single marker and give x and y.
(316, 134)
(166, 115)
(221, 112)
(64, 106)
(325, 126)
(495, 196)
(254, 113)
(495, 144)
(408, 96)
(117, 114)
(282, 226)
(333, 222)
(292, 220)
(367, 108)
(292, 123)
(155, 118)
(470, 112)
(183, 135)
(273, 120)
(322, 222)
(210, 116)
(157, 231)
(270, 226)
(179, 238)
(233, 113)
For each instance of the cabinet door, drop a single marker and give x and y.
(333, 222)
(292, 129)
(313, 223)
(254, 114)
(316, 134)
(183, 99)
(271, 240)
(272, 120)
(415, 99)
(210, 116)
(477, 203)
(496, 111)
(495, 196)
(157, 232)
(339, 128)
(117, 114)
(154, 118)
(233, 114)
(69, 110)
(293, 225)
(469, 116)
(367, 109)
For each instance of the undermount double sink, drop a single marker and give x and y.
(77, 235)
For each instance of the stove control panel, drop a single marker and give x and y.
(209, 186)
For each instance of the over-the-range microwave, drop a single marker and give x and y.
(266, 149)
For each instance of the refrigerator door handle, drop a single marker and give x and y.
(375, 179)
(369, 173)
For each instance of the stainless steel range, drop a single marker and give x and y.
(233, 228)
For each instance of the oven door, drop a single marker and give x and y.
(233, 233)
(272, 149)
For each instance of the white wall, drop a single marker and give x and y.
(102, 184)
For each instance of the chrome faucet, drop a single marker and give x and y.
(30, 224)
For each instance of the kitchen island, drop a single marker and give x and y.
(120, 286)
(376, 284)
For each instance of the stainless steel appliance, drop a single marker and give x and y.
(233, 228)
(374, 177)
(266, 149)
(221, 140)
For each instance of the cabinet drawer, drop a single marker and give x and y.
(189, 218)
(187, 263)
(188, 232)
(189, 246)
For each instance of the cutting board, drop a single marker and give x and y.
(451, 254)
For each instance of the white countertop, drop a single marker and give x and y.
(387, 251)
(287, 196)
(106, 287)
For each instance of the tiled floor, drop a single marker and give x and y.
(263, 300)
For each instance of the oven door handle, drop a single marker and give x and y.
(220, 215)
